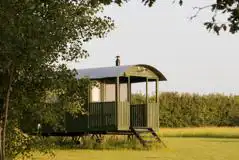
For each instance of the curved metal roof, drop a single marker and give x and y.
(110, 72)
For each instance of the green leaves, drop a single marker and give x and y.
(46, 29)
(192, 110)
(35, 36)
(149, 2)
(215, 27)
(230, 8)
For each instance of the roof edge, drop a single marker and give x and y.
(155, 70)
(114, 71)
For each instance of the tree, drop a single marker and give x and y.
(36, 38)
(42, 101)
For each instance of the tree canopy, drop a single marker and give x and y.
(37, 38)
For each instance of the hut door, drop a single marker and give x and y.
(138, 115)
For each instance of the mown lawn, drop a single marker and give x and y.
(178, 149)
(202, 132)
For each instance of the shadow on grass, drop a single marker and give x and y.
(109, 143)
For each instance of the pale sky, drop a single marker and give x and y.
(192, 59)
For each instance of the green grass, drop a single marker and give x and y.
(119, 142)
(203, 132)
(210, 143)
(178, 149)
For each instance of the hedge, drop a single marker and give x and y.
(194, 110)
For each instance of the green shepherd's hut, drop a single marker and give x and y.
(109, 107)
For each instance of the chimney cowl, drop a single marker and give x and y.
(117, 62)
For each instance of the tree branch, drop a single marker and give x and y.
(199, 9)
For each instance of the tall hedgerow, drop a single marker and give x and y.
(194, 110)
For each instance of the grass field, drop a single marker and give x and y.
(178, 149)
(188, 146)
(206, 132)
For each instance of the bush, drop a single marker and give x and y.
(193, 110)
(19, 144)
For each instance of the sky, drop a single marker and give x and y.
(191, 58)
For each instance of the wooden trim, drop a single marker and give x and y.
(147, 88)
(140, 76)
(157, 91)
(102, 91)
(129, 90)
(88, 106)
(118, 91)
(90, 93)
(117, 96)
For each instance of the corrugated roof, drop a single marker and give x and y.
(102, 72)
(114, 71)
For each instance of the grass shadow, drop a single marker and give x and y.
(108, 143)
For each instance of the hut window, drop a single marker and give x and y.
(95, 94)
(109, 92)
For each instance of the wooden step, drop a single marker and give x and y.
(146, 128)
(153, 137)
(142, 131)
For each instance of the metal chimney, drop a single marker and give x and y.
(117, 62)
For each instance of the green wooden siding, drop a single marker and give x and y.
(123, 111)
(105, 116)
(102, 116)
(138, 115)
(95, 115)
(142, 115)
(153, 115)
(109, 115)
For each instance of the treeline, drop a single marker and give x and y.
(193, 110)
